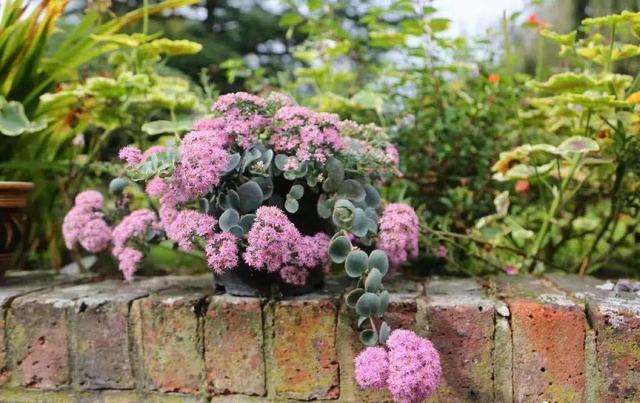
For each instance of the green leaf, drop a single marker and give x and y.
(378, 259)
(290, 19)
(250, 195)
(368, 337)
(166, 126)
(339, 249)
(323, 207)
(117, 185)
(368, 304)
(373, 281)
(280, 160)
(291, 205)
(335, 170)
(228, 219)
(352, 190)
(296, 191)
(234, 160)
(237, 231)
(356, 263)
(360, 223)
(353, 296)
(343, 212)
(385, 331)
(439, 24)
(384, 302)
(372, 196)
(246, 222)
(361, 321)
(314, 4)
(13, 120)
(204, 205)
(578, 145)
(561, 39)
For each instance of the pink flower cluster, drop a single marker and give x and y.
(222, 252)
(399, 233)
(309, 135)
(202, 161)
(275, 244)
(243, 117)
(133, 227)
(132, 155)
(187, 224)
(409, 366)
(85, 224)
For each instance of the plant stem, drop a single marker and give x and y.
(551, 213)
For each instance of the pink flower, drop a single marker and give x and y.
(399, 233)
(393, 154)
(372, 368)
(293, 275)
(308, 135)
(202, 162)
(90, 199)
(442, 251)
(85, 224)
(156, 187)
(131, 155)
(313, 251)
(128, 261)
(414, 367)
(188, 224)
(95, 235)
(239, 103)
(272, 240)
(222, 252)
(510, 270)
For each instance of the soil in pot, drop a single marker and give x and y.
(13, 221)
(245, 281)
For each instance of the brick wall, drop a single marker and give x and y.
(173, 339)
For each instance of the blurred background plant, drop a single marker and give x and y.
(451, 97)
(62, 120)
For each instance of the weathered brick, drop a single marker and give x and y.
(616, 322)
(38, 337)
(303, 349)
(461, 327)
(168, 329)
(233, 342)
(548, 332)
(101, 338)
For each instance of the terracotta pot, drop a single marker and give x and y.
(245, 281)
(13, 221)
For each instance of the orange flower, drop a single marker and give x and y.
(494, 78)
(634, 98)
(534, 20)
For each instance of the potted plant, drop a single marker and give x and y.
(272, 193)
(13, 221)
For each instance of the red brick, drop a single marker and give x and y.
(461, 326)
(168, 328)
(548, 332)
(101, 339)
(304, 356)
(38, 337)
(617, 325)
(233, 342)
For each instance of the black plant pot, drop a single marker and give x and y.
(245, 281)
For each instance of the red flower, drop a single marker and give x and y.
(523, 186)
(494, 78)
